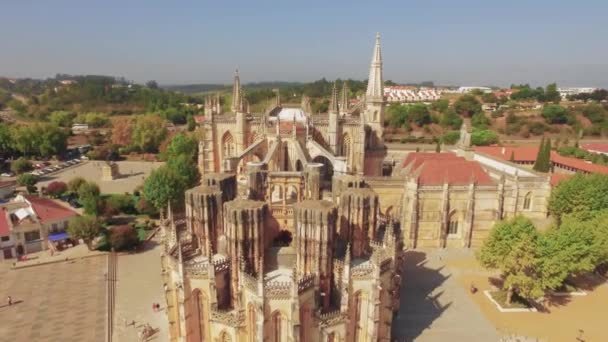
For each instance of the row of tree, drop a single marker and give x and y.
(33, 140)
(533, 262)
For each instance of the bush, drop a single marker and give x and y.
(146, 208)
(29, 181)
(56, 189)
(123, 237)
(450, 138)
(123, 203)
(75, 183)
(21, 165)
(537, 128)
(483, 137)
(556, 114)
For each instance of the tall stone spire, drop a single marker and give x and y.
(344, 99)
(236, 93)
(375, 82)
(333, 104)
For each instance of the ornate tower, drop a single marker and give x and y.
(332, 131)
(315, 225)
(359, 214)
(237, 101)
(344, 99)
(204, 217)
(244, 231)
(374, 96)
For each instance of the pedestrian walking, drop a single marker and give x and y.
(154, 307)
(9, 300)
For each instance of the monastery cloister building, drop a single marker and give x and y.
(297, 230)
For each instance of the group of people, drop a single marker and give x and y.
(155, 307)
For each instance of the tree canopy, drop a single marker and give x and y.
(579, 193)
(86, 228)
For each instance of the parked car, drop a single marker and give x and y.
(7, 174)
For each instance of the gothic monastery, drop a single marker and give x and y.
(297, 230)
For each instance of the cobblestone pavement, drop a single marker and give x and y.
(139, 284)
(434, 307)
(57, 302)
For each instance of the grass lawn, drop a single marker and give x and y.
(517, 302)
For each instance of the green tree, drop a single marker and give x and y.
(480, 120)
(123, 237)
(451, 137)
(483, 137)
(6, 140)
(186, 169)
(441, 105)
(550, 95)
(75, 183)
(398, 115)
(86, 228)
(580, 193)
(89, 197)
(543, 158)
(450, 119)
(467, 105)
(149, 132)
(21, 165)
(29, 181)
(489, 98)
(163, 186)
(556, 114)
(419, 113)
(181, 144)
(61, 118)
(511, 248)
(191, 123)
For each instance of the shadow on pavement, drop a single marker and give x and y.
(419, 298)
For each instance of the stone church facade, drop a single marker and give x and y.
(297, 230)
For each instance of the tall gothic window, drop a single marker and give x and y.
(453, 224)
(228, 146)
(276, 325)
(346, 146)
(527, 201)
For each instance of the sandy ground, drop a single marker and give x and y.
(132, 174)
(565, 318)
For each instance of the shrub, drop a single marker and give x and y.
(146, 208)
(537, 128)
(556, 114)
(123, 237)
(123, 203)
(483, 137)
(21, 165)
(75, 183)
(451, 137)
(56, 189)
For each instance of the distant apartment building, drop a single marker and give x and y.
(565, 92)
(408, 94)
(468, 89)
(28, 224)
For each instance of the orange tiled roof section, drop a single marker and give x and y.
(440, 168)
(601, 147)
(49, 210)
(5, 228)
(528, 154)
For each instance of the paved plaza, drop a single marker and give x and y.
(63, 301)
(132, 174)
(434, 306)
(139, 284)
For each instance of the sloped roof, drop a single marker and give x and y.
(440, 168)
(5, 227)
(601, 147)
(556, 178)
(520, 153)
(578, 164)
(48, 210)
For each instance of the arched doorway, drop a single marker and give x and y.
(327, 171)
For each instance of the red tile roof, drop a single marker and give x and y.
(5, 227)
(556, 178)
(440, 168)
(601, 147)
(49, 210)
(578, 164)
(528, 154)
(5, 184)
(520, 154)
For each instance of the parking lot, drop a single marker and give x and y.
(131, 175)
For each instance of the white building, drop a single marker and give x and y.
(468, 89)
(565, 92)
(406, 94)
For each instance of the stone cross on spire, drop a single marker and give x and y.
(236, 93)
(375, 82)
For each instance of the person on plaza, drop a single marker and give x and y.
(154, 307)
(9, 300)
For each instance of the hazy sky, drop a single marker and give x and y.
(464, 42)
